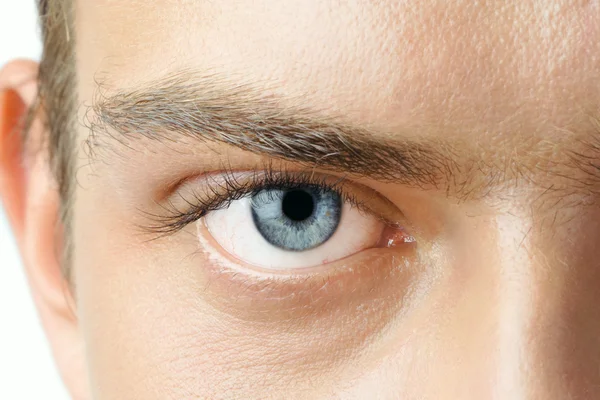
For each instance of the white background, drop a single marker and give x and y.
(26, 367)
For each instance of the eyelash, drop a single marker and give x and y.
(219, 195)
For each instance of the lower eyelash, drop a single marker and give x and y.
(217, 194)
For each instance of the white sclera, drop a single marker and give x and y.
(234, 230)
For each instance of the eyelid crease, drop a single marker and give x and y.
(219, 189)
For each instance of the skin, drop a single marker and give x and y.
(497, 297)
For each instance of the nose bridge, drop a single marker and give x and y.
(548, 336)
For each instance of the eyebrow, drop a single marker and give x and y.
(211, 108)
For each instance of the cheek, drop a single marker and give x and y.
(146, 335)
(158, 320)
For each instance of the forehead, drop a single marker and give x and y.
(431, 67)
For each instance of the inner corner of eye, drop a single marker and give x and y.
(394, 236)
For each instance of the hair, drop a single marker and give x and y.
(55, 105)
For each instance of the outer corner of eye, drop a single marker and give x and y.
(297, 228)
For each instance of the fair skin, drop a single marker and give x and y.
(477, 281)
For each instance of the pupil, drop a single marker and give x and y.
(297, 205)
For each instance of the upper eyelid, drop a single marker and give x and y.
(228, 186)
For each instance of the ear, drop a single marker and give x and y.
(31, 199)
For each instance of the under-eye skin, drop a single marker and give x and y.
(280, 220)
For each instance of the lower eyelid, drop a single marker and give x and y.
(260, 295)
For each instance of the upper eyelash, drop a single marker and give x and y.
(215, 196)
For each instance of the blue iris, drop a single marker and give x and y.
(297, 219)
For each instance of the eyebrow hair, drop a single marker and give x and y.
(211, 108)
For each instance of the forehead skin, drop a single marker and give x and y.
(488, 71)
(433, 67)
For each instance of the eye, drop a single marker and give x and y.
(300, 227)
(298, 219)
